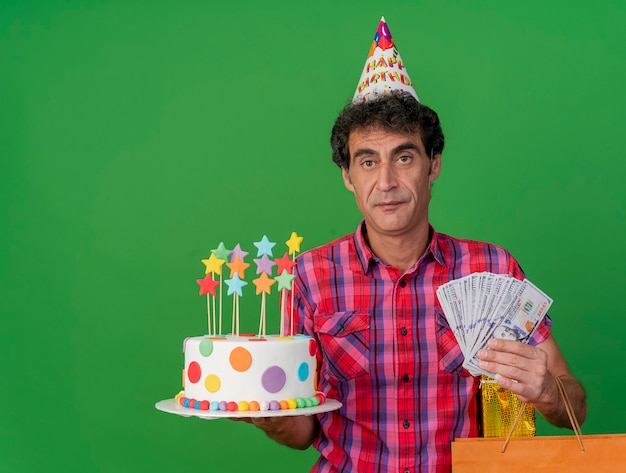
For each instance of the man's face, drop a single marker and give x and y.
(390, 176)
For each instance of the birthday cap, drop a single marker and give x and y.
(384, 71)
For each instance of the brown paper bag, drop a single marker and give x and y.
(603, 453)
(570, 453)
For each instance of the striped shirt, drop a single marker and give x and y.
(387, 353)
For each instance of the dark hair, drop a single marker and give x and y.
(399, 112)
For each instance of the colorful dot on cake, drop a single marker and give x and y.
(284, 405)
(303, 371)
(231, 406)
(240, 359)
(273, 379)
(194, 372)
(274, 406)
(299, 402)
(243, 406)
(214, 406)
(312, 347)
(254, 406)
(222, 405)
(291, 404)
(206, 347)
(204, 405)
(264, 406)
(212, 383)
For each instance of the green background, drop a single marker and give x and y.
(136, 136)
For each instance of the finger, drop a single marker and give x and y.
(494, 357)
(270, 422)
(247, 420)
(515, 374)
(511, 346)
(511, 353)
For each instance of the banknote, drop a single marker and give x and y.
(485, 305)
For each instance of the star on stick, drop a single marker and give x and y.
(221, 252)
(238, 267)
(294, 243)
(284, 264)
(284, 280)
(264, 246)
(264, 265)
(207, 285)
(234, 285)
(237, 251)
(213, 264)
(263, 283)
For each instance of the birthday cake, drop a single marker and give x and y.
(249, 372)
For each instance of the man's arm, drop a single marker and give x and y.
(527, 371)
(293, 431)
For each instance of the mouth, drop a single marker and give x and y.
(389, 205)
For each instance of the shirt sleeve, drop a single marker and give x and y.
(541, 332)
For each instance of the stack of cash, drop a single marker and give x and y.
(486, 305)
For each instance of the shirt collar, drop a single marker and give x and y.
(363, 250)
(368, 258)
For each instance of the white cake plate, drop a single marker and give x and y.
(172, 407)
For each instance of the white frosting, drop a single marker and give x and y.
(241, 368)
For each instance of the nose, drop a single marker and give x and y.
(387, 178)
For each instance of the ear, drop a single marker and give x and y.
(435, 168)
(345, 173)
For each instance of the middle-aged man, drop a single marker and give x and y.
(369, 299)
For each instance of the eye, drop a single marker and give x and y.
(405, 159)
(367, 164)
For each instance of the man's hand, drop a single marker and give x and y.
(527, 371)
(293, 431)
(519, 367)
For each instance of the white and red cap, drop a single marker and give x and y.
(384, 70)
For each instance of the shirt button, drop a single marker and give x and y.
(402, 283)
(405, 378)
(403, 331)
(407, 471)
(406, 424)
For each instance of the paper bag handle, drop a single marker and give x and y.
(568, 408)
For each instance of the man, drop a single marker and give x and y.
(369, 299)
